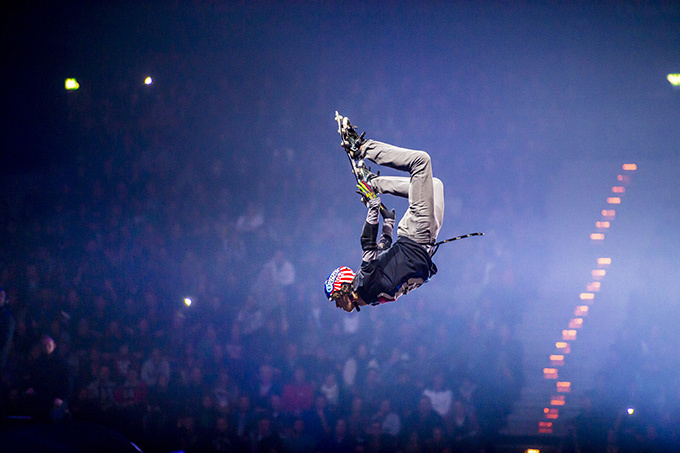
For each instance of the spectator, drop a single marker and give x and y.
(50, 381)
(299, 440)
(389, 420)
(319, 420)
(356, 367)
(298, 395)
(102, 390)
(244, 419)
(122, 362)
(357, 419)
(265, 385)
(277, 273)
(133, 392)
(423, 422)
(438, 442)
(340, 441)
(440, 396)
(265, 439)
(225, 390)
(154, 367)
(331, 390)
(223, 439)
(463, 428)
(7, 327)
(251, 220)
(377, 441)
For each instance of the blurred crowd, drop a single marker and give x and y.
(163, 247)
(634, 404)
(101, 251)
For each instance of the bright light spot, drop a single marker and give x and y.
(624, 178)
(614, 200)
(604, 224)
(674, 79)
(630, 411)
(557, 400)
(598, 272)
(550, 373)
(148, 81)
(608, 213)
(551, 413)
(569, 335)
(557, 359)
(543, 428)
(629, 167)
(71, 84)
(564, 386)
(563, 346)
(581, 310)
(188, 301)
(604, 261)
(587, 296)
(576, 323)
(618, 189)
(597, 236)
(593, 287)
(532, 450)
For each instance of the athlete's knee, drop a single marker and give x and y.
(438, 185)
(421, 159)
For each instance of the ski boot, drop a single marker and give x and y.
(351, 141)
(363, 173)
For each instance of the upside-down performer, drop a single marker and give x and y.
(389, 270)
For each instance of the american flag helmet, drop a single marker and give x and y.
(334, 282)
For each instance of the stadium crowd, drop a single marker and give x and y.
(100, 252)
(163, 247)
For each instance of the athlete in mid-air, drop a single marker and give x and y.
(389, 270)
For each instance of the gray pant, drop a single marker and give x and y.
(425, 194)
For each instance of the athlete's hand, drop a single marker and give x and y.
(366, 191)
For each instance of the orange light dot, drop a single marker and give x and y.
(557, 400)
(593, 287)
(576, 323)
(598, 273)
(604, 261)
(618, 189)
(614, 200)
(597, 237)
(550, 373)
(587, 296)
(629, 167)
(569, 335)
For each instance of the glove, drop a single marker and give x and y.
(366, 192)
(387, 214)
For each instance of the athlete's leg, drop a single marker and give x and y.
(422, 220)
(438, 204)
(392, 185)
(399, 185)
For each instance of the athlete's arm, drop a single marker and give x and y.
(388, 224)
(369, 233)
